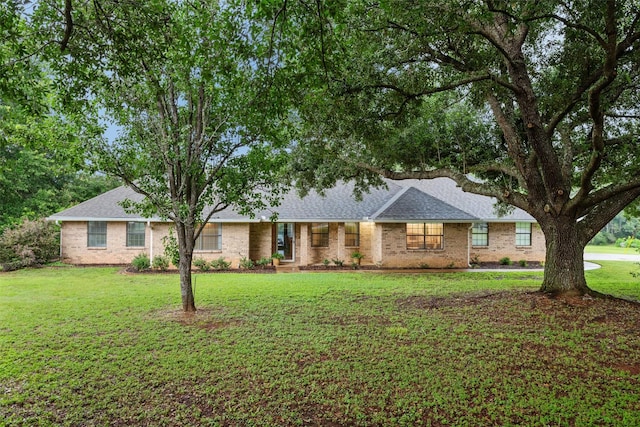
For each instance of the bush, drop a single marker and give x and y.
(263, 262)
(202, 264)
(338, 262)
(220, 264)
(160, 263)
(505, 261)
(141, 262)
(246, 263)
(171, 248)
(522, 262)
(29, 244)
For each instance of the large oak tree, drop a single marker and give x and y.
(538, 99)
(191, 86)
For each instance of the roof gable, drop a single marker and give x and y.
(413, 204)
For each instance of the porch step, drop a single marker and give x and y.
(284, 268)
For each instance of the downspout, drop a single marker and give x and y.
(60, 254)
(469, 240)
(150, 239)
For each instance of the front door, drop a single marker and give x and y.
(285, 240)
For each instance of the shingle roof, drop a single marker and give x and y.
(410, 200)
(413, 204)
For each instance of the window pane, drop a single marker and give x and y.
(523, 234)
(320, 234)
(480, 234)
(352, 234)
(135, 233)
(210, 238)
(425, 236)
(97, 234)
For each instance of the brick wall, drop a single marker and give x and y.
(75, 250)
(396, 254)
(235, 244)
(381, 243)
(502, 243)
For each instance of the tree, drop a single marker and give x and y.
(40, 154)
(553, 84)
(191, 85)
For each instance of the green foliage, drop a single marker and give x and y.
(246, 263)
(202, 264)
(325, 262)
(357, 255)
(31, 243)
(192, 88)
(338, 262)
(220, 264)
(277, 255)
(160, 262)
(170, 244)
(263, 262)
(522, 263)
(420, 90)
(141, 262)
(505, 261)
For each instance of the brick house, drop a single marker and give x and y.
(412, 223)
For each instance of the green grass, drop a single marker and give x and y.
(92, 346)
(610, 249)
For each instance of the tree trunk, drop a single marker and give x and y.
(186, 289)
(564, 265)
(185, 248)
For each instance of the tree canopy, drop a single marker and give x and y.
(541, 98)
(191, 86)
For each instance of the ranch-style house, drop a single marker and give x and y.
(412, 223)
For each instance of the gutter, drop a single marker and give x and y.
(469, 239)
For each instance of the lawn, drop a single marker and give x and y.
(94, 346)
(610, 249)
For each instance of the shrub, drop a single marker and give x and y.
(246, 263)
(202, 264)
(522, 262)
(338, 262)
(141, 262)
(171, 248)
(220, 264)
(263, 262)
(325, 262)
(28, 244)
(505, 261)
(160, 263)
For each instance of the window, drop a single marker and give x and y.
(425, 236)
(320, 235)
(523, 234)
(135, 234)
(97, 234)
(210, 239)
(352, 234)
(480, 234)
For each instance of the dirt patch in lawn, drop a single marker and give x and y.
(205, 318)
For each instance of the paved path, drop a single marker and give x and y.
(612, 257)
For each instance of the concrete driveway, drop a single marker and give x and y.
(612, 257)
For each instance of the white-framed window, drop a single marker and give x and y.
(352, 234)
(97, 234)
(320, 235)
(425, 236)
(480, 234)
(523, 234)
(210, 239)
(135, 234)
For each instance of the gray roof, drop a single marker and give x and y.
(401, 201)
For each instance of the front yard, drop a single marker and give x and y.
(94, 346)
